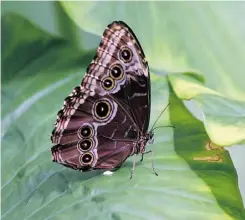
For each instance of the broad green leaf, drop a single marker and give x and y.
(179, 36)
(55, 20)
(192, 183)
(220, 114)
(49, 59)
(203, 36)
(34, 10)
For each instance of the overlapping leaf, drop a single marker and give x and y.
(220, 114)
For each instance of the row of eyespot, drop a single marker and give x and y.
(116, 72)
(86, 144)
(102, 110)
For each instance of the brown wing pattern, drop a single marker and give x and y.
(81, 134)
(133, 89)
(102, 119)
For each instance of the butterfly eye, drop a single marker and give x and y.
(126, 55)
(116, 72)
(85, 132)
(102, 109)
(87, 158)
(85, 145)
(108, 83)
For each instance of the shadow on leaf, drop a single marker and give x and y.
(190, 140)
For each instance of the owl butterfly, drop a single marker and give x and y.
(105, 119)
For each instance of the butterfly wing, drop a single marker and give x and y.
(101, 121)
(108, 156)
(120, 52)
(92, 132)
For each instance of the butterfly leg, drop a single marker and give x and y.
(153, 160)
(132, 170)
(142, 157)
(142, 154)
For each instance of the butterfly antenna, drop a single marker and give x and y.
(159, 117)
(168, 126)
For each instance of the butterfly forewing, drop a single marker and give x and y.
(102, 120)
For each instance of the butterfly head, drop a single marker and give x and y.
(148, 138)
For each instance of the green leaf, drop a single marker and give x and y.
(33, 10)
(49, 59)
(39, 72)
(220, 114)
(179, 36)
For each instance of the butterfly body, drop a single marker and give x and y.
(142, 142)
(105, 119)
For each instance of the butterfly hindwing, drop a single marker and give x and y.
(83, 132)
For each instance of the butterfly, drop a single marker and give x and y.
(105, 120)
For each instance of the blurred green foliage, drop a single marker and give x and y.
(45, 54)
